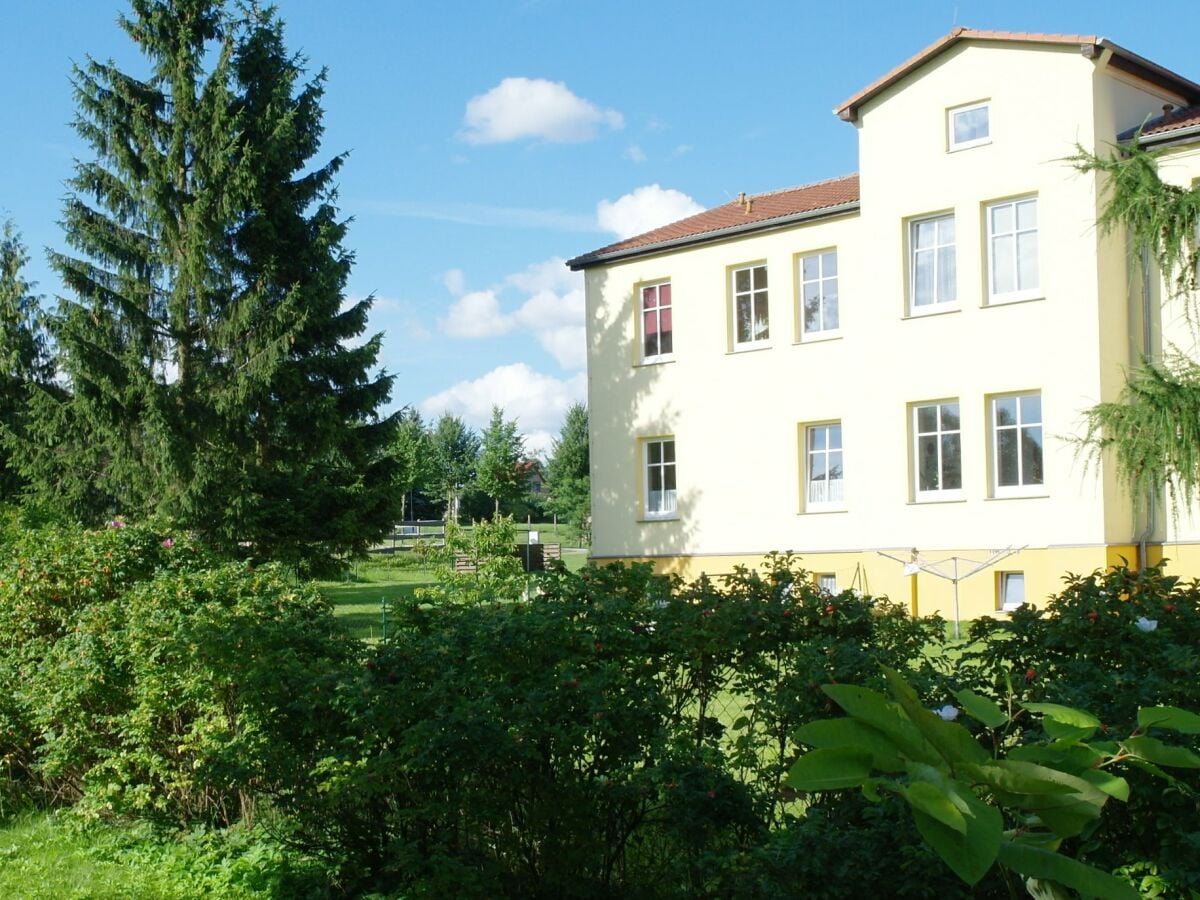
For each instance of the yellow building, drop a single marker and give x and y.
(899, 358)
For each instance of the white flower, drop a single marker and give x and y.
(1147, 624)
(948, 712)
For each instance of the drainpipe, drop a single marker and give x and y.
(1151, 495)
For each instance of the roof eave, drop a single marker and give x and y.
(589, 260)
(1189, 135)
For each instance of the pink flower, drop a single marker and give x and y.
(168, 543)
(116, 523)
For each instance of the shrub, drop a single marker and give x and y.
(619, 734)
(1086, 649)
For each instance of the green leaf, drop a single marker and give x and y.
(830, 769)
(1045, 865)
(847, 732)
(952, 742)
(1169, 717)
(1113, 785)
(1074, 758)
(981, 708)
(1157, 752)
(925, 797)
(1066, 734)
(1066, 803)
(971, 854)
(1067, 715)
(875, 710)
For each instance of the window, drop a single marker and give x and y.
(660, 478)
(937, 451)
(750, 325)
(1011, 590)
(827, 583)
(1017, 444)
(1013, 249)
(819, 294)
(824, 477)
(656, 322)
(933, 274)
(969, 126)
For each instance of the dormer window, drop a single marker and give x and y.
(969, 126)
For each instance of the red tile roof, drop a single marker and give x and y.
(1090, 43)
(1163, 126)
(762, 210)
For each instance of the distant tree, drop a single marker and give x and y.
(416, 467)
(568, 474)
(501, 475)
(456, 455)
(24, 356)
(206, 338)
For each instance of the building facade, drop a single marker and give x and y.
(898, 359)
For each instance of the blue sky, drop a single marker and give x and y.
(489, 141)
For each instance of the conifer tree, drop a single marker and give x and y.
(24, 359)
(501, 451)
(568, 475)
(205, 338)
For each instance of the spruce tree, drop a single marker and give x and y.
(205, 338)
(501, 451)
(24, 360)
(568, 475)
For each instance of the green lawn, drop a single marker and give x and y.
(359, 596)
(47, 856)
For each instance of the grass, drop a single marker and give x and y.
(358, 597)
(48, 856)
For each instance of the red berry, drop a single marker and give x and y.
(829, 608)
(712, 795)
(787, 613)
(1093, 615)
(1170, 607)
(597, 646)
(1030, 674)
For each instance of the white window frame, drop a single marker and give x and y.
(752, 296)
(1003, 582)
(833, 496)
(1022, 488)
(938, 304)
(827, 583)
(823, 282)
(669, 508)
(1029, 292)
(939, 432)
(953, 146)
(657, 287)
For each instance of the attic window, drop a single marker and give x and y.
(969, 126)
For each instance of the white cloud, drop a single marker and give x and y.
(552, 312)
(455, 281)
(520, 108)
(538, 402)
(644, 209)
(551, 275)
(476, 315)
(634, 153)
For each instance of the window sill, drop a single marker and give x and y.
(968, 145)
(933, 311)
(822, 512)
(820, 337)
(1012, 300)
(648, 519)
(749, 348)
(654, 361)
(935, 501)
(1044, 495)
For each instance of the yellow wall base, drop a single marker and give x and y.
(1045, 569)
